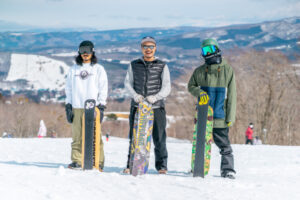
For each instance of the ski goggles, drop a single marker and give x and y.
(207, 50)
(85, 49)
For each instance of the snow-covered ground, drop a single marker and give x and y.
(35, 169)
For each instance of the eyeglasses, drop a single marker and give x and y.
(211, 49)
(148, 47)
(85, 49)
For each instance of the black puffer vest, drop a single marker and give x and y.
(147, 78)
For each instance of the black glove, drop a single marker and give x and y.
(101, 109)
(69, 113)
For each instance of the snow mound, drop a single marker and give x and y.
(40, 72)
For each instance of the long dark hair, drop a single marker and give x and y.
(79, 60)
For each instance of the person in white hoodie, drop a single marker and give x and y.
(42, 130)
(86, 80)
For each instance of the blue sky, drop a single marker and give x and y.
(120, 14)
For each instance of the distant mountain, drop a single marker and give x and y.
(283, 34)
(12, 26)
(39, 42)
(267, 35)
(179, 47)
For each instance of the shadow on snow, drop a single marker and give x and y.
(36, 164)
(106, 168)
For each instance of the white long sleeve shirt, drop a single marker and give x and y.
(86, 82)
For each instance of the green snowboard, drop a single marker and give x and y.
(208, 141)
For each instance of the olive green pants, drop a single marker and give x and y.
(77, 138)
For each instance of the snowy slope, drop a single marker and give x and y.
(41, 72)
(35, 169)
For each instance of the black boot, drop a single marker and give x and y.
(228, 174)
(74, 165)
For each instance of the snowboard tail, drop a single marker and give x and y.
(141, 143)
(202, 139)
(91, 134)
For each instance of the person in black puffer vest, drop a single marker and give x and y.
(149, 77)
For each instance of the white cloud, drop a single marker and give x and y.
(54, 0)
(285, 10)
(117, 14)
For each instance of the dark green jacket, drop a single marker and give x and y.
(218, 81)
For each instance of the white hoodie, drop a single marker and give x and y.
(42, 130)
(86, 82)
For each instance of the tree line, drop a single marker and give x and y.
(268, 94)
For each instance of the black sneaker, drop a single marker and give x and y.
(74, 165)
(228, 174)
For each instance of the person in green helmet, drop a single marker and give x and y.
(215, 81)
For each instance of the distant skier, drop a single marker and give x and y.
(42, 130)
(53, 134)
(148, 77)
(214, 80)
(249, 133)
(7, 135)
(257, 141)
(107, 136)
(85, 80)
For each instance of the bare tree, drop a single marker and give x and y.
(268, 95)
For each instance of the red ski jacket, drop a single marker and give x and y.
(249, 133)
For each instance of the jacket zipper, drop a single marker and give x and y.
(146, 78)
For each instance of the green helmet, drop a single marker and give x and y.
(208, 42)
